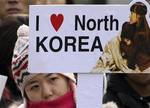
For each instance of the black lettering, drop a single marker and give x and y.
(106, 21)
(89, 22)
(51, 45)
(112, 21)
(99, 24)
(81, 44)
(39, 43)
(96, 44)
(70, 41)
(82, 24)
(37, 23)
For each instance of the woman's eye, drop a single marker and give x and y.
(53, 79)
(35, 87)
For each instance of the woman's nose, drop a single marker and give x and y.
(47, 91)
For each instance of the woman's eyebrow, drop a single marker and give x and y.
(48, 75)
(32, 82)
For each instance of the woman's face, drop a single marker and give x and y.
(133, 18)
(127, 41)
(46, 87)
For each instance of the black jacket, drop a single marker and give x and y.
(120, 92)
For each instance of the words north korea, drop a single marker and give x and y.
(75, 43)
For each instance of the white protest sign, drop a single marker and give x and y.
(3, 80)
(71, 38)
(90, 91)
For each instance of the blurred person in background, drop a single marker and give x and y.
(127, 90)
(9, 8)
(13, 13)
(8, 38)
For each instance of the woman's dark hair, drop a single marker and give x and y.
(128, 31)
(139, 36)
(128, 51)
(8, 37)
(142, 33)
(139, 8)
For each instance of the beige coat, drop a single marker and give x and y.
(111, 59)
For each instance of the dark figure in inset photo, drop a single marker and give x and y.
(129, 52)
(127, 90)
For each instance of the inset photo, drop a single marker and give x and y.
(130, 51)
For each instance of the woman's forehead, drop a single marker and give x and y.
(40, 77)
(45, 75)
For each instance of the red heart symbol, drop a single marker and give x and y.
(56, 21)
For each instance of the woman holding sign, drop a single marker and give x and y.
(51, 90)
(129, 53)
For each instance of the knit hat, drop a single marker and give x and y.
(20, 61)
(139, 8)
